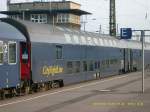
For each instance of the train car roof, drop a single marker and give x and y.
(9, 32)
(46, 33)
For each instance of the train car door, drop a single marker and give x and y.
(131, 60)
(128, 60)
(25, 60)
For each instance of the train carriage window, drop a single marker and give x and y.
(58, 52)
(12, 52)
(96, 65)
(91, 67)
(84, 66)
(111, 62)
(69, 67)
(104, 64)
(107, 63)
(77, 66)
(1, 52)
(115, 61)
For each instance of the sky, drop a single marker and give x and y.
(133, 14)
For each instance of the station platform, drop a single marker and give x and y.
(115, 94)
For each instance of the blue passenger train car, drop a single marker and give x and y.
(10, 39)
(49, 56)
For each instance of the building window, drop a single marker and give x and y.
(15, 17)
(12, 52)
(84, 66)
(58, 52)
(38, 18)
(65, 18)
(74, 19)
(1, 52)
(77, 66)
(62, 18)
(69, 67)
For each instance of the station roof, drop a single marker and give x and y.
(9, 32)
(36, 11)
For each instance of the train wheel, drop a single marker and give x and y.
(99, 75)
(43, 87)
(55, 84)
(35, 87)
(47, 86)
(61, 83)
(27, 90)
(11, 93)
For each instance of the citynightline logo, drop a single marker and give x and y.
(51, 70)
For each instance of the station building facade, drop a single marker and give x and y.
(62, 13)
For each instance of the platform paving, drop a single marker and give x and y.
(116, 94)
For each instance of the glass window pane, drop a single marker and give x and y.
(77, 66)
(91, 67)
(36, 21)
(32, 16)
(1, 52)
(1, 49)
(58, 52)
(1, 58)
(69, 67)
(36, 17)
(39, 18)
(84, 66)
(103, 64)
(96, 65)
(12, 53)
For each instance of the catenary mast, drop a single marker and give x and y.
(112, 21)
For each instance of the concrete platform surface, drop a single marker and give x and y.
(115, 94)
